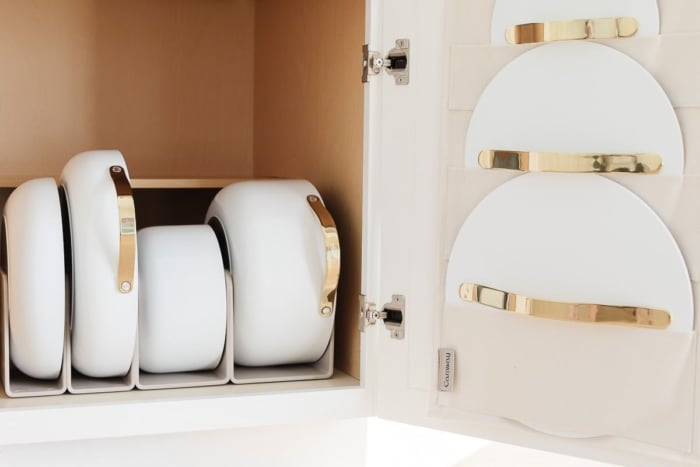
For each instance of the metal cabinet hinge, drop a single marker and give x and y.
(395, 63)
(393, 314)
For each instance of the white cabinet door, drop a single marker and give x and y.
(404, 195)
(409, 128)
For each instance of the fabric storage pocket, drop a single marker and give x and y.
(473, 66)
(570, 239)
(572, 379)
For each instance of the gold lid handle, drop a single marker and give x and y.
(127, 229)
(528, 161)
(550, 31)
(581, 312)
(330, 237)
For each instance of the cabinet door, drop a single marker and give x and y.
(403, 203)
(409, 136)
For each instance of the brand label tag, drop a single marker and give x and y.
(446, 370)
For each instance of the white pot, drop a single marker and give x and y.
(182, 299)
(277, 257)
(105, 319)
(36, 278)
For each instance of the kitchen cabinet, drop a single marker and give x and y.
(200, 94)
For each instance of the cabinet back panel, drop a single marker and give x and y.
(309, 124)
(207, 88)
(169, 83)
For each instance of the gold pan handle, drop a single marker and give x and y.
(127, 229)
(528, 161)
(580, 312)
(550, 31)
(332, 243)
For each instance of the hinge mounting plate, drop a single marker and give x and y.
(395, 63)
(393, 314)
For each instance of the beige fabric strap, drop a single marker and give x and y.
(473, 67)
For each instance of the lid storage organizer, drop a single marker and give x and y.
(568, 226)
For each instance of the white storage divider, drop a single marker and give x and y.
(77, 383)
(508, 13)
(81, 384)
(16, 383)
(222, 374)
(320, 369)
(19, 385)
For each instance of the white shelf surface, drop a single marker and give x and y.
(91, 416)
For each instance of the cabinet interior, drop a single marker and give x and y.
(188, 89)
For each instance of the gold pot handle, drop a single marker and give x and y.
(127, 229)
(580, 312)
(528, 161)
(550, 31)
(330, 237)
